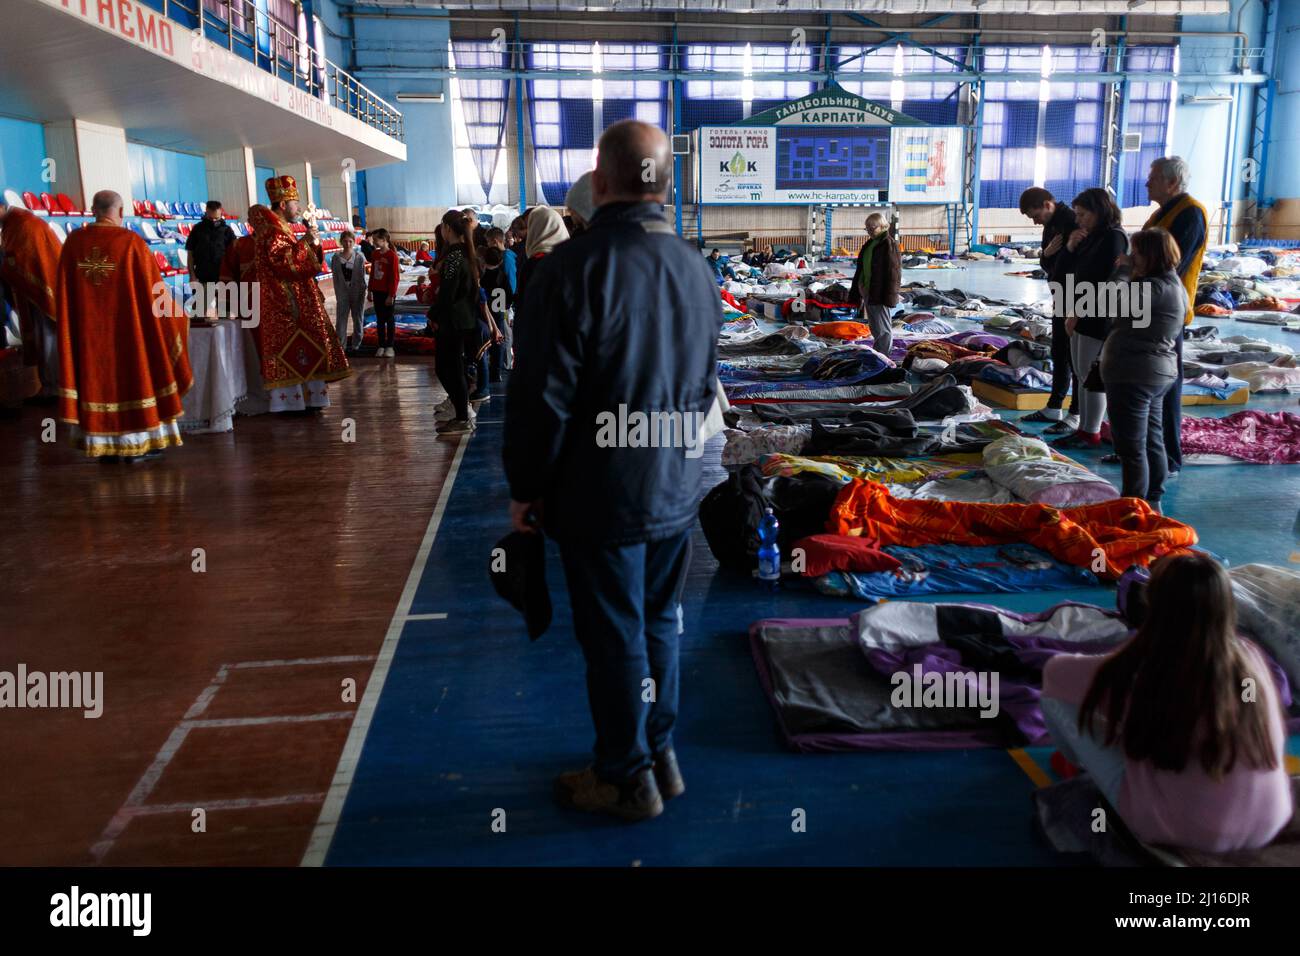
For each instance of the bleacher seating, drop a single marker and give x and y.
(165, 227)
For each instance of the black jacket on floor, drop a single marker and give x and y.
(620, 320)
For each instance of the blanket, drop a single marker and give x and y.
(956, 569)
(1107, 537)
(1269, 438)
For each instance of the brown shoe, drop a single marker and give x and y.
(668, 776)
(637, 799)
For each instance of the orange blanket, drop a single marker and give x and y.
(1106, 537)
(842, 330)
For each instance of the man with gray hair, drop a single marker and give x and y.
(1187, 221)
(877, 280)
(621, 321)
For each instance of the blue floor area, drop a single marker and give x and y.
(475, 720)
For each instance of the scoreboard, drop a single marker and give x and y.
(833, 158)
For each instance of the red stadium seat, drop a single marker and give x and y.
(33, 203)
(164, 266)
(47, 203)
(65, 204)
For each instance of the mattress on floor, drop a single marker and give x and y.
(827, 697)
(827, 679)
(1021, 399)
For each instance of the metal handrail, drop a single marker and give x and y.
(289, 58)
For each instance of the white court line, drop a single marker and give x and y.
(328, 821)
(303, 661)
(440, 616)
(209, 722)
(134, 804)
(235, 803)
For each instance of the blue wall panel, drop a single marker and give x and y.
(392, 56)
(166, 174)
(263, 174)
(22, 150)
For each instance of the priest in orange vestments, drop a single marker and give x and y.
(299, 348)
(29, 259)
(121, 341)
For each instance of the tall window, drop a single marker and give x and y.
(563, 116)
(644, 100)
(712, 102)
(932, 101)
(765, 94)
(1072, 128)
(1011, 111)
(859, 59)
(568, 116)
(1150, 113)
(479, 121)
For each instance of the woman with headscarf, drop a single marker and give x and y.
(545, 232)
(580, 204)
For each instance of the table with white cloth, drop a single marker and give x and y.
(222, 356)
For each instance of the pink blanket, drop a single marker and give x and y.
(1267, 438)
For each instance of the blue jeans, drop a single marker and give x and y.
(627, 617)
(1136, 429)
(481, 382)
(1105, 765)
(1173, 414)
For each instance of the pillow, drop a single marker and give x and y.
(824, 553)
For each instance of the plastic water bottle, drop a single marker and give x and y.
(769, 552)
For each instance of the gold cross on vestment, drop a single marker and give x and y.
(96, 267)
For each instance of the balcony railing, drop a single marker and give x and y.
(275, 47)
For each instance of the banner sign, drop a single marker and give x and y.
(830, 147)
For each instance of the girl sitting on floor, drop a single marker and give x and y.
(1181, 727)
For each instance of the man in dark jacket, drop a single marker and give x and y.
(205, 247)
(876, 281)
(1057, 220)
(615, 370)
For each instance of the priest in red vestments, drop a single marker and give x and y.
(122, 349)
(299, 348)
(29, 259)
(237, 267)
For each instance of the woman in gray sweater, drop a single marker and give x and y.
(1139, 364)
